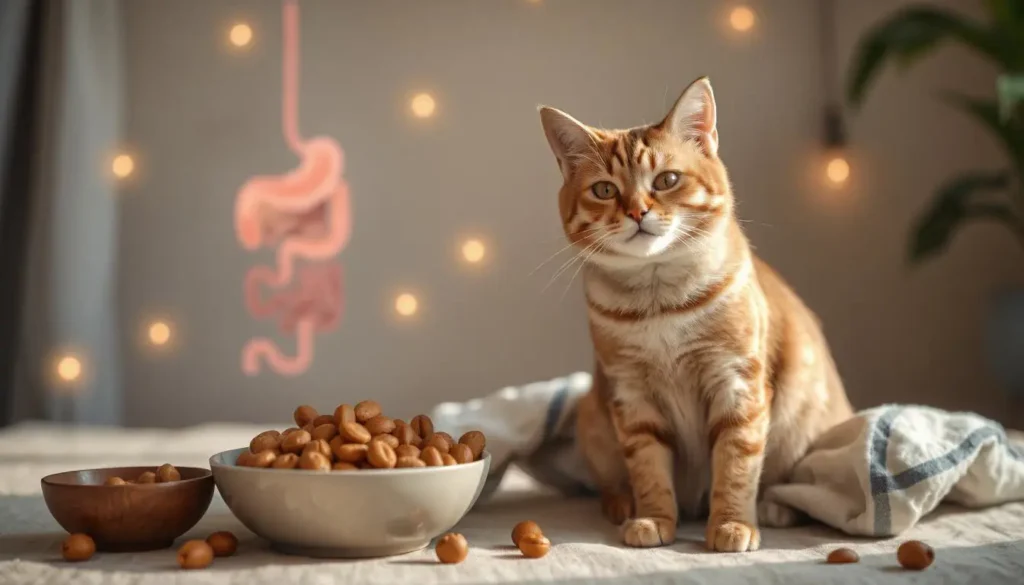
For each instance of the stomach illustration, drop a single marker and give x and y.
(303, 215)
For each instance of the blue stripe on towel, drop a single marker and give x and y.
(555, 408)
(883, 482)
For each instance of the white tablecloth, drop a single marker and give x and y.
(985, 546)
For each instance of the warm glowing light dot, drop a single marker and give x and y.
(837, 170)
(122, 165)
(159, 333)
(473, 251)
(69, 368)
(742, 18)
(240, 35)
(406, 305)
(423, 105)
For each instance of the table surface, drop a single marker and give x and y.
(985, 545)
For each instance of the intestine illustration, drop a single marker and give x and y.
(304, 215)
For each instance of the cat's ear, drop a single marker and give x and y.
(694, 117)
(567, 136)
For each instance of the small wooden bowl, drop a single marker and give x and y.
(132, 517)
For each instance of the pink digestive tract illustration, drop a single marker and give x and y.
(304, 215)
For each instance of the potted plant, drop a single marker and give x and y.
(994, 195)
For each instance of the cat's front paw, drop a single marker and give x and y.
(648, 532)
(732, 536)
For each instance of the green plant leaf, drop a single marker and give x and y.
(1010, 132)
(955, 204)
(913, 32)
(1006, 14)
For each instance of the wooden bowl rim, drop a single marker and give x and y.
(51, 480)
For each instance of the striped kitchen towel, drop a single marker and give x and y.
(531, 425)
(880, 472)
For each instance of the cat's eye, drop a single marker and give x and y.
(604, 190)
(666, 181)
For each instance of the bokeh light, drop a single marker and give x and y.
(837, 170)
(473, 251)
(69, 368)
(742, 18)
(406, 305)
(159, 333)
(122, 166)
(240, 35)
(423, 105)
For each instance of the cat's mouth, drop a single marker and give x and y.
(641, 233)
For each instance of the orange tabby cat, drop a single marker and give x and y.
(711, 374)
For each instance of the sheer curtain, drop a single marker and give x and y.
(67, 267)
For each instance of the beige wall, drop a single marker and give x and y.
(203, 120)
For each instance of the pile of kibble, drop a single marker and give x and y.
(359, 437)
(912, 555)
(163, 474)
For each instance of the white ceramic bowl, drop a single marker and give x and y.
(348, 514)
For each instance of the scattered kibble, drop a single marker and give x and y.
(523, 528)
(915, 555)
(842, 556)
(534, 545)
(452, 548)
(78, 547)
(195, 554)
(166, 473)
(223, 543)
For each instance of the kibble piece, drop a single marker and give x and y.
(399, 422)
(534, 545)
(115, 481)
(304, 415)
(380, 425)
(915, 555)
(381, 455)
(147, 477)
(422, 424)
(438, 442)
(448, 460)
(446, 437)
(476, 441)
(351, 452)
(166, 473)
(461, 453)
(523, 528)
(314, 461)
(195, 554)
(324, 432)
(366, 410)
(320, 447)
(286, 461)
(264, 459)
(344, 466)
(295, 442)
(289, 430)
(223, 543)
(344, 414)
(265, 441)
(408, 461)
(309, 427)
(408, 451)
(78, 547)
(244, 460)
(452, 548)
(323, 419)
(842, 556)
(406, 436)
(389, 439)
(431, 456)
(355, 433)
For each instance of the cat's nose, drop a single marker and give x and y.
(637, 213)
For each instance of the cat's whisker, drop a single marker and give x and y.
(568, 264)
(602, 243)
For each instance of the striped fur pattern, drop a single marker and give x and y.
(712, 377)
